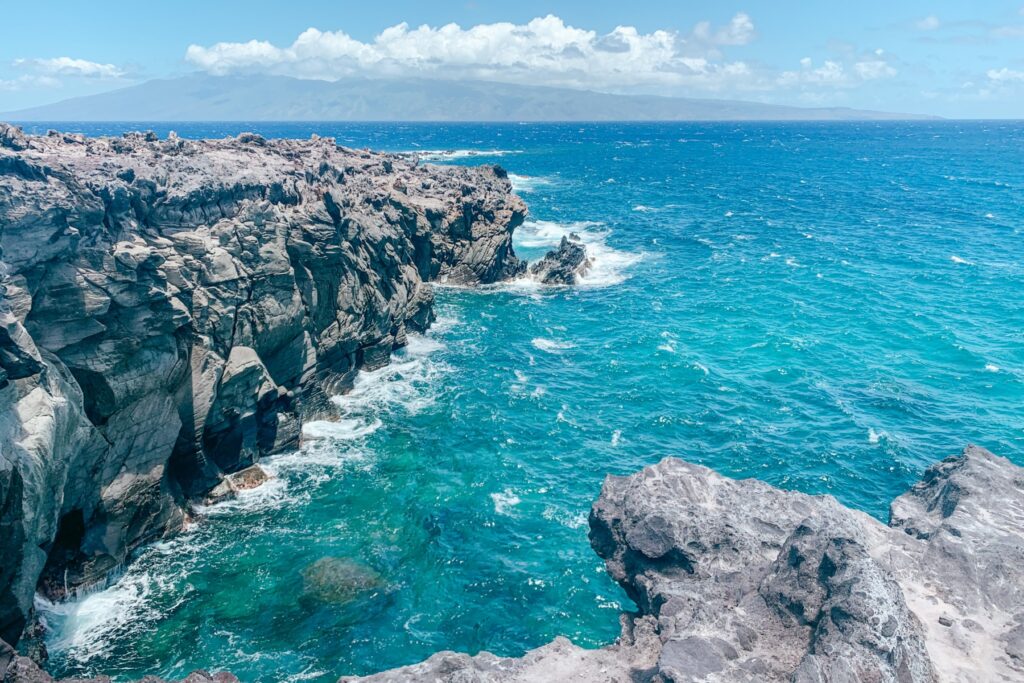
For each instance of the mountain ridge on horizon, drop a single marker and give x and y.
(201, 97)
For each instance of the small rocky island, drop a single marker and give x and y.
(171, 311)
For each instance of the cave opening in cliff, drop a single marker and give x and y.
(62, 552)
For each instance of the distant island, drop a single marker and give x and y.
(201, 97)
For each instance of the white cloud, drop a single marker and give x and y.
(873, 69)
(836, 74)
(67, 66)
(1004, 75)
(740, 31)
(543, 50)
(929, 23)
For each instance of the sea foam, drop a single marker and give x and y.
(608, 266)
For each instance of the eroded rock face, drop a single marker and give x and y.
(740, 581)
(172, 310)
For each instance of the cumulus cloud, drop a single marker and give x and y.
(929, 23)
(67, 66)
(545, 49)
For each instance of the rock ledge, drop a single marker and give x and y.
(740, 581)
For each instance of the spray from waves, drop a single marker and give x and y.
(505, 501)
(551, 345)
(409, 383)
(524, 183)
(608, 266)
(445, 154)
(92, 625)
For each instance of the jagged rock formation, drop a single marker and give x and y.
(740, 581)
(172, 310)
(564, 265)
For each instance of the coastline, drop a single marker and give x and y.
(966, 620)
(223, 289)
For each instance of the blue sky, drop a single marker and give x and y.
(954, 59)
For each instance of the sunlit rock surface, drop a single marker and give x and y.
(172, 311)
(740, 581)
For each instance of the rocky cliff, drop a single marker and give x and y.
(171, 310)
(740, 581)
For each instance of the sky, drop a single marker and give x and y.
(954, 59)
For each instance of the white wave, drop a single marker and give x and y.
(551, 345)
(341, 430)
(271, 495)
(571, 520)
(961, 261)
(616, 437)
(505, 501)
(409, 383)
(89, 627)
(991, 367)
(875, 437)
(442, 325)
(642, 208)
(436, 154)
(608, 266)
(527, 183)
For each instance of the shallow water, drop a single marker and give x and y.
(827, 307)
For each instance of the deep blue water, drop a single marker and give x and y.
(828, 307)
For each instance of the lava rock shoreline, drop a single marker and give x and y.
(738, 581)
(171, 311)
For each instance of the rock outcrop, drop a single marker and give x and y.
(171, 310)
(564, 265)
(740, 581)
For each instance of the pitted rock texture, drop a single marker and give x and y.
(172, 310)
(738, 581)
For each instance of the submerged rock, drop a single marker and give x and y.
(339, 580)
(172, 310)
(564, 265)
(739, 581)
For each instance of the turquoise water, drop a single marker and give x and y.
(827, 307)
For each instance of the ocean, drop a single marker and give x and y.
(829, 307)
